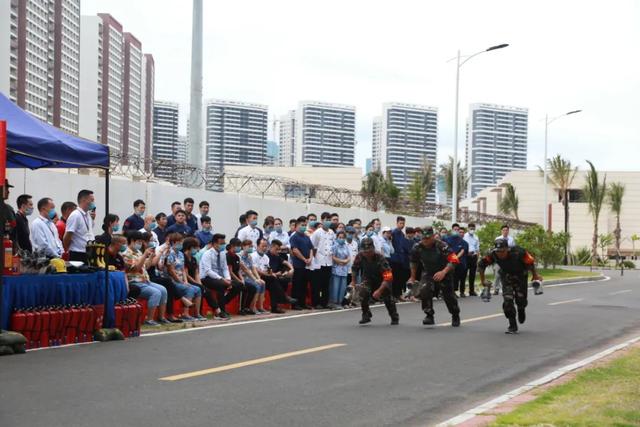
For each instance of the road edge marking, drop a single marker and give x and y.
(566, 301)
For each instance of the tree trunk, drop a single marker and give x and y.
(565, 203)
(617, 233)
(594, 243)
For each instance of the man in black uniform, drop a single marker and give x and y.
(377, 279)
(515, 264)
(438, 264)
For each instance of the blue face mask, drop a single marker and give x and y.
(140, 213)
(115, 228)
(326, 224)
(123, 248)
(313, 224)
(302, 229)
(206, 228)
(238, 249)
(253, 223)
(194, 252)
(370, 233)
(92, 206)
(278, 229)
(28, 211)
(376, 229)
(340, 241)
(222, 247)
(249, 250)
(178, 247)
(153, 225)
(152, 245)
(52, 213)
(349, 237)
(137, 246)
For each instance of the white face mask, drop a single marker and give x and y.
(472, 232)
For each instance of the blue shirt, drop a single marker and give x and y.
(183, 229)
(456, 244)
(204, 237)
(302, 242)
(176, 258)
(400, 253)
(192, 222)
(340, 252)
(387, 248)
(134, 222)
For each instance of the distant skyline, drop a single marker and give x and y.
(562, 56)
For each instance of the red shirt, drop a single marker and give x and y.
(61, 225)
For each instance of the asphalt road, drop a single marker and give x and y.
(385, 375)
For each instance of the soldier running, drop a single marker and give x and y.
(438, 264)
(515, 264)
(376, 276)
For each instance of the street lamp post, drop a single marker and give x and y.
(547, 122)
(454, 184)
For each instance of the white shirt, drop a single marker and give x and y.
(323, 242)
(283, 237)
(213, 264)
(474, 243)
(249, 233)
(154, 237)
(510, 240)
(44, 235)
(353, 247)
(81, 225)
(260, 262)
(377, 243)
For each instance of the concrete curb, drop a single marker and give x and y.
(574, 280)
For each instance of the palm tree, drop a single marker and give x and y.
(446, 169)
(416, 193)
(390, 193)
(634, 239)
(561, 174)
(605, 240)
(594, 193)
(372, 189)
(427, 175)
(616, 193)
(509, 202)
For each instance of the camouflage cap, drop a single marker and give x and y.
(427, 232)
(366, 244)
(501, 244)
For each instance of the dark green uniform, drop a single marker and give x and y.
(372, 272)
(431, 260)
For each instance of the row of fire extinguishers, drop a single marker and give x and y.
(129, 317)
(56, 325)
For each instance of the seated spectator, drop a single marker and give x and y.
(204, 235)
(65, 210)
(160, 229)
(215, 274)
(190, 218)
(282, 270)
(44, 234)
(204, 211)
(174, 267)
(341, 256)
(175, 207)
(157, 273)
(180, 225)
(137, 263)
(115, 251)
(252, 277)
(238, 271)
(268, 225)
(261, 262)
(150, 225)
(190, 247)
(110, 225)
(135, 222)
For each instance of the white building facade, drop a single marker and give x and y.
(165, 139)
(287, 139)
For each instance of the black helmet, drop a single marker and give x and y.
(501, 244)
(366, 244)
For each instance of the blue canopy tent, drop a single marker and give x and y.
(33, 144)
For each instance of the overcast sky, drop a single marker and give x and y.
(563, 55)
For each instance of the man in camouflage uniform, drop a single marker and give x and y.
(438, 264)
(375, 272)
(515, 264)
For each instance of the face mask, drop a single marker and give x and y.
(278, 229)
(248, 251)
(115, 228)
(153, 225)
(152, 245)
(326, 224)
(369, 233)
(140, 213)
(204, 213)
(137, 246)
(349, 237)
(28, 212)
(268, 229)
(376, 229)
(92, 206)
(302, 229)
(123, 248)
(340, 241)
(206, 228)
(472, 232)
(312, 224)
(253, 223)
(194, 252)
(178, 247)
(222, 247)
(454, 233)
(238, 249)
(260, 252)
(52, 213)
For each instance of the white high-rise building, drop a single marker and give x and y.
(165, 139)
(403, 137)
(287, 139)
(148, 90)
(39, 58)
(496, 144)
(183, 152)
(132, 92)
(236, 134)
(325, 134)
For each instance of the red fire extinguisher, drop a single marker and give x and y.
(37, 328)
(66, 323)
(75, 325)
(44, 327)
(18, 321)
(8, 256)
(91, 323)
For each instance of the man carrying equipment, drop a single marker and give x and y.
(515, 264)
(375, 272)
(438, 264)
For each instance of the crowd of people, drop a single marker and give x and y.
(182, 256)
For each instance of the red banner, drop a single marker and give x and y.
(3, 151)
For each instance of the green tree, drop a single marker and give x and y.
(616, 194)
(390, 193)
(604, 241)
(373, 189)
(594, 193)
(634, 239)
(446, 170)
(547, 247)
(416, 194)
(487, 235)
(509, 202)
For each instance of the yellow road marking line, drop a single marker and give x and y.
(473, 319)
(566, 302)
(620, 292)
(250, 362)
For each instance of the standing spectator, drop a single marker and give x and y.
(268, 225)
(387, 244)
(472, 258)
(301, 256)
(190, 219)
(66, 209)
(400, 258)
(252, 278)
(251, 231)
(460, 248)
(215, 274)
(418, 236)
(135, 222)
(279, 234)
(150, 224)
(238, 271)
(243, 223)
(204, 234)
(203, 207)
(444, 234)
(335, 220)
(292, 226)
(312, 222)
(110, 225)
(175, 207)
(174, 264)
(161, 228)
(354, 248)
(180, 226)
(341, 255)
(261, 262)
(190, 247)
(281, 269)
(79, 229)
(504, 234)
(322, 240)
(25, 209)
(44, 234)
(137, 262)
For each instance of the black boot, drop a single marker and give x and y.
(395, 320)
(428, 320)
(513, 326)
(393, 311)
(366, 317)
(521, 315)
(455, 320)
